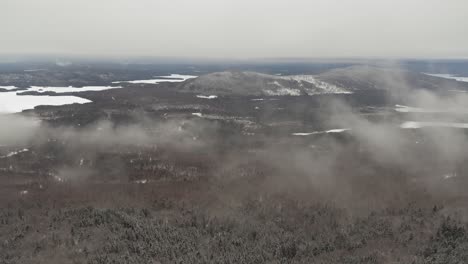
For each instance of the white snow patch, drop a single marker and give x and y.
(304, 134)
(14, 153)
(175, 78)
(180, 76)
(144, 181)
(449, 176)
(11, 102)
(207, 96)
(449, 76)
(323, 87)
(338, 130)
(283, 91)
(149, 81)
(57, 178)
(277, 84)
(34, 70)
(415, 124)
(458, 91)
(409, 109)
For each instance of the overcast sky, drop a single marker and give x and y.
(236, 28)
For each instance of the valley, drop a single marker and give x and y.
(356, 164)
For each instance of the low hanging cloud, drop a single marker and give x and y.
(17, 129)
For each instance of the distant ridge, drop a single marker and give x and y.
(337, 81)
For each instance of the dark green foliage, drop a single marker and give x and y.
(252, 233)
(449, 245)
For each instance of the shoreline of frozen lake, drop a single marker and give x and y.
(13, 102)
(449, 76)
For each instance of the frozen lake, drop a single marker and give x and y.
(161, 79)
(69, 89)
(11, 102)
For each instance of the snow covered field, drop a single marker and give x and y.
(323, 87)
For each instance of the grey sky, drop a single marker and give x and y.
(236, 28)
